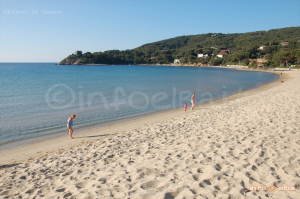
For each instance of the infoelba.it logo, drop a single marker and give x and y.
(272, 188)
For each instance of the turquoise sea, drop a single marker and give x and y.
(37, 98)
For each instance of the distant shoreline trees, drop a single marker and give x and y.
(277, 47)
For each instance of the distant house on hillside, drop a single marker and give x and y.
(202, 55)
(284, 43)
(259, 61)
(262, 47)
(78, 52)
(177, 61)
(223, 52)
(152, 57)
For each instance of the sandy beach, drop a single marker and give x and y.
(244, 146)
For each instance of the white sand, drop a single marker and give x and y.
(217, 151)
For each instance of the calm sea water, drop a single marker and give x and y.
(38, 98)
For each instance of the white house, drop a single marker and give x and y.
(202, 55)
(262, 47)
(220, 55)
(177, 61)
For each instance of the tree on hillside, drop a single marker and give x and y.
(296, 56)
(288, 57)
(279, 57)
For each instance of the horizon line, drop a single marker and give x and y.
(25, 62)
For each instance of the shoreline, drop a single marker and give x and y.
(35, 147)
(59, 133)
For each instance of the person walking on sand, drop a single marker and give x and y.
(70, 124)
(193, 101)
(185, 107)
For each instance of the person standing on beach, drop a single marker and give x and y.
(70, 124)
(193, 101)
(185, 107)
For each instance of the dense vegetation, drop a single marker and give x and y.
(243, 47)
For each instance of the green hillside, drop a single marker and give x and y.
(243, 48)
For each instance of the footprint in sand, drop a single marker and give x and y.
(291, 168)
(206, 160)
(218, 167)
(102, 180)
(196, 177)
(104, 192)
(205, 183)
(60, 190)
(150, 185)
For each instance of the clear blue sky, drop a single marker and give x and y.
(29, 34)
